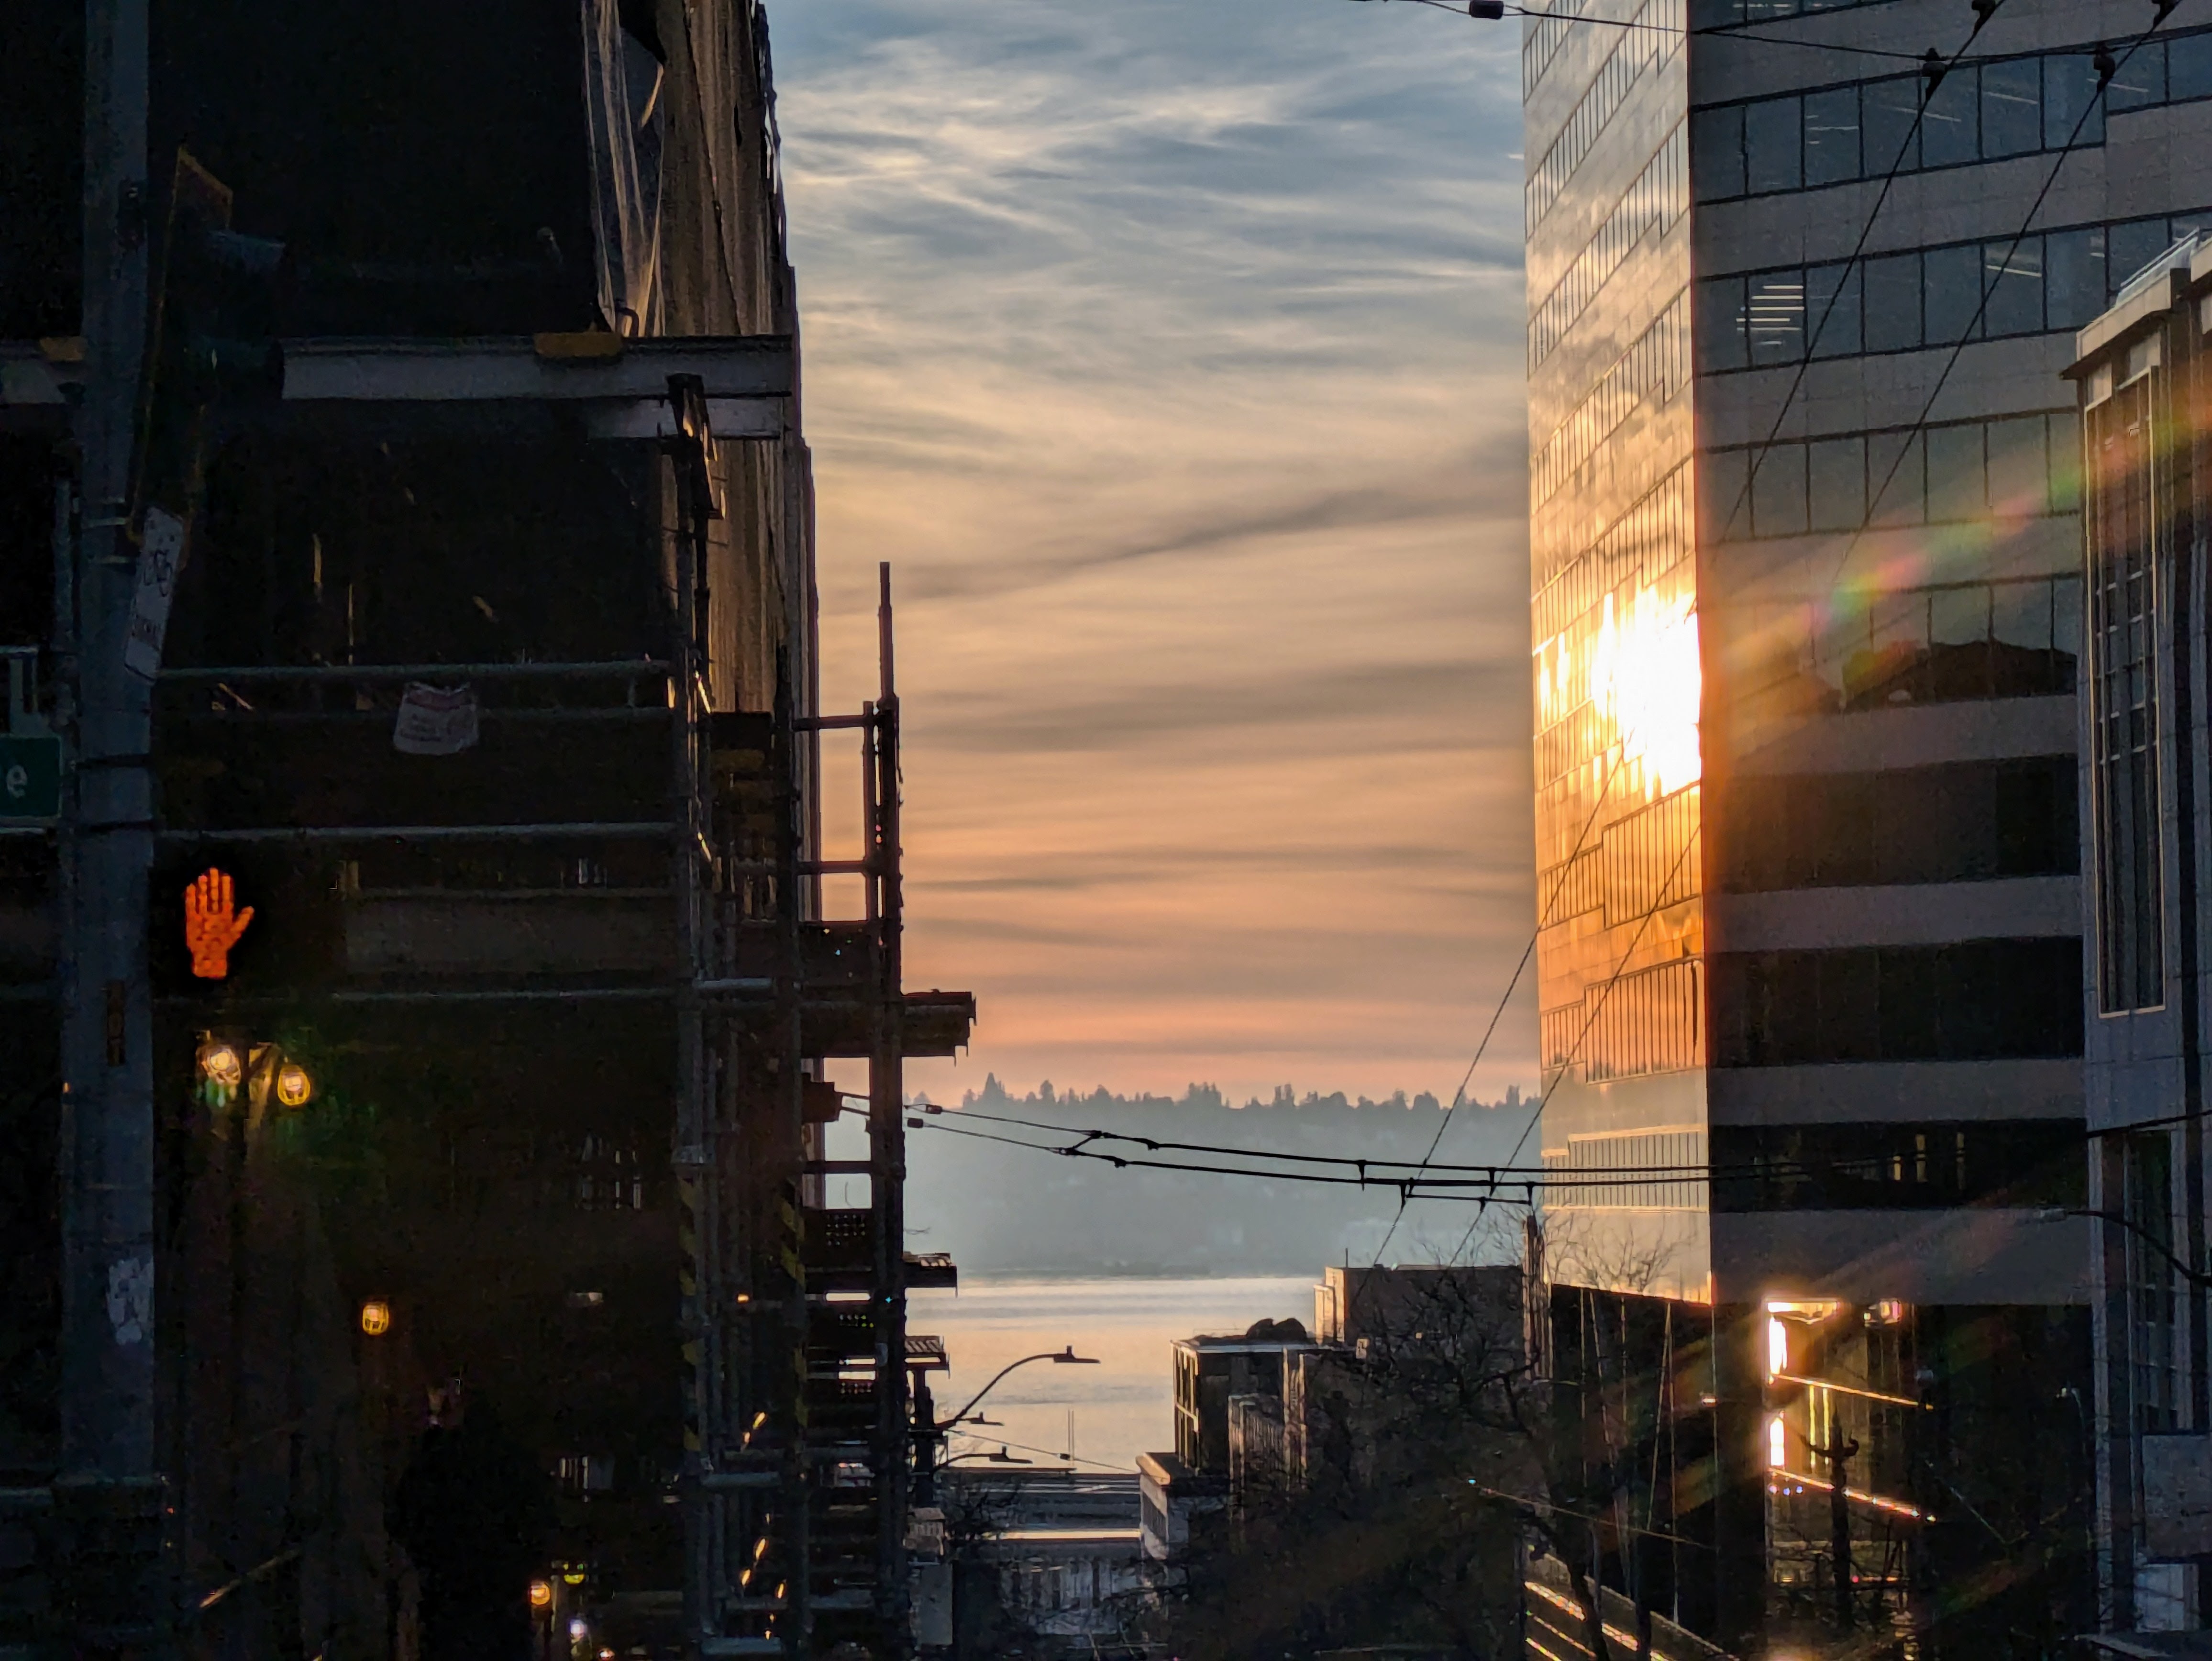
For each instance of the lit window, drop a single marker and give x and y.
(1774, 1444)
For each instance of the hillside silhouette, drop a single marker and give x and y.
(1007, 1211)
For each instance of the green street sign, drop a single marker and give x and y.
(30, 778)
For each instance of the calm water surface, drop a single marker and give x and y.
(1106, 1415)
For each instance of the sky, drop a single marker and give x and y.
(1172, 353)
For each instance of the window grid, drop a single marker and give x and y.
(1654, 368)
(1650, 860)
(1724, 14)
(1648, 1022)
(2154, 1297)
(2014, 466)
(1971, 1001)
(1985, 110)
(1914, 298)
(2124, 537)
(1652, 539)
(1660, 197)
(1654, 36)
(1649, 538)
(1546, 34)
(1680, 1147)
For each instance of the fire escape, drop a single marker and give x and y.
(797, 1308)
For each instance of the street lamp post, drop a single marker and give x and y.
(929, 1431)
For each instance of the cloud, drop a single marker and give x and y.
(1173, 355)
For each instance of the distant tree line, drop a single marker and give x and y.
(994, 1097)
(1011, 1211)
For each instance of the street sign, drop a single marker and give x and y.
(30, 778)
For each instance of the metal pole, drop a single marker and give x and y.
(106, 1495)
(887, 1147)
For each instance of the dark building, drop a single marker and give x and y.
(492, 1281)
(2140, 372)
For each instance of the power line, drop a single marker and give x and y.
(1488, 1178)
(1853, 263)
(1050, 1453)
(1803, 366)
(2107, 68)
(1739, 32)
(1575, 1049)
(1981, 18)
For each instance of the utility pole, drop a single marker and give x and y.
(108, 1494)
(1840, 1453)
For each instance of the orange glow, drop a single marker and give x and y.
(211, 925)
(1645, 678)
(220, 1065)
(375, 1318)
(541, 1594)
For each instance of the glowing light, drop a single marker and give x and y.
(1889, 1312)
(376, 1318)
(578, 1629)
(1777, 1347)
(220, 1064)
(1777, 1447)
(541, 1594)
(212, 925)
(1646, 678)
(294, 1087)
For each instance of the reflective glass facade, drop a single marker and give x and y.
(1616, 655)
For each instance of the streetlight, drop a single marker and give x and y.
(929, 1430)
(1066, 1357)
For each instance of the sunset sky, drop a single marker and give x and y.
(1172, 353)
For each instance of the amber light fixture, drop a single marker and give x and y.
(541, 1594)
(375, 1317)
(294, 1087)
(220, 1064)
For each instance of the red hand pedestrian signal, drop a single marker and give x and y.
(211, 927)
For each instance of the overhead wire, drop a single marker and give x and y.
(1735, 33)
(1503, 1177)
(2107, 69)
(1982, 17)
(1932, 80)
(1482, 1177)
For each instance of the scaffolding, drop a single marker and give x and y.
(489, 684)
(519, 895)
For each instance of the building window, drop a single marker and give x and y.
(2123, 535)
(1983, 111)
(1975, 1001)
(1922, 297)
(2019, 1163)
(1956, 471)
(2153, 1299)
(1958, 822)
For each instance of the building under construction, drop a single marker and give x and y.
(415, 1238)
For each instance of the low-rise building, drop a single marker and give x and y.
(1210, 1370)
(1177, 1507)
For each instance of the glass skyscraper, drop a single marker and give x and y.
(1806, 579)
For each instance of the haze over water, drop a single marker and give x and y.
(1123, 1406)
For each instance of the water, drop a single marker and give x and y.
(1113, 1411)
